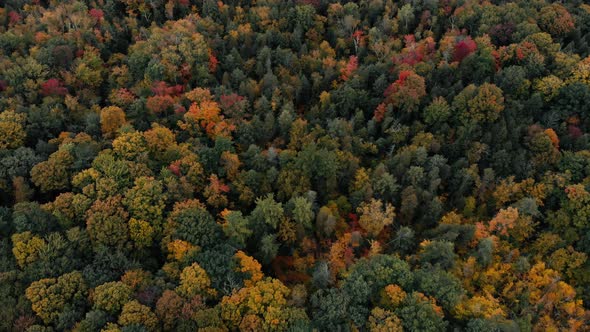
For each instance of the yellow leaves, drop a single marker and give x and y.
(26, 248)
(382, 320)
(12, 132)
(250, 266)
(325, 99)
(287, 231)
(136, 313)
(566, 260)
(195, 281)
(49, 296)
(267, 299)
(549, 86)
(231, 164)
(510, 191)
(159, 139)
(374, 216)
(177, 249)
(111, 119)
(111, 296)
(141, 232)
(479, 306)
(129, 145)
(361, 179)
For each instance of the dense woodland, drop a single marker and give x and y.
(311, 165)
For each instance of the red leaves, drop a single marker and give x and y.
(97, 14)
(3, 85)
(213, 62)
(175, 168)
(351, 66)
(165, 96)
(463, 49)
(161, 88)
(228, 101)
(53, 87)
(217, 186)
(393, 88)
(14, 18)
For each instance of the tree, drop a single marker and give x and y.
(267, 212)
(235, 227)
(69, 209)
(190, 221)
(107, 222)
(169, 309)
(479, 104)
(556, 20)
(130, 145)
(12, 133)
(194, 281)
(54, 173)
(329, 310)
(111, 296)
(50, 297)
(368, 277)
(374, 217)
(146, 201)
(26, 248)
(111, 119)
(134, 313)
(384, 320)
(418, 313)
(302, 212)
(264, 304)
(406, 92)
(441, 253)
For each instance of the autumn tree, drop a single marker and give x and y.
(374, 217)
(50, 297)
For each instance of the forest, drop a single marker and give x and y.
(294, 165)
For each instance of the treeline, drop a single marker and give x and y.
(270, 165)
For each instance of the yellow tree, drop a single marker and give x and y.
(26, 248)
(12, 132)
(50, 296)
(374, 216)
(195, 281)
(111, 119)
(135, 313)
(111, 296)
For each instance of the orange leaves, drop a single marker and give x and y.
(504, 221)
(553, 137)
(206, 115)
(215, 192)
(379, 113)
(177, 249)
(250, 266)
